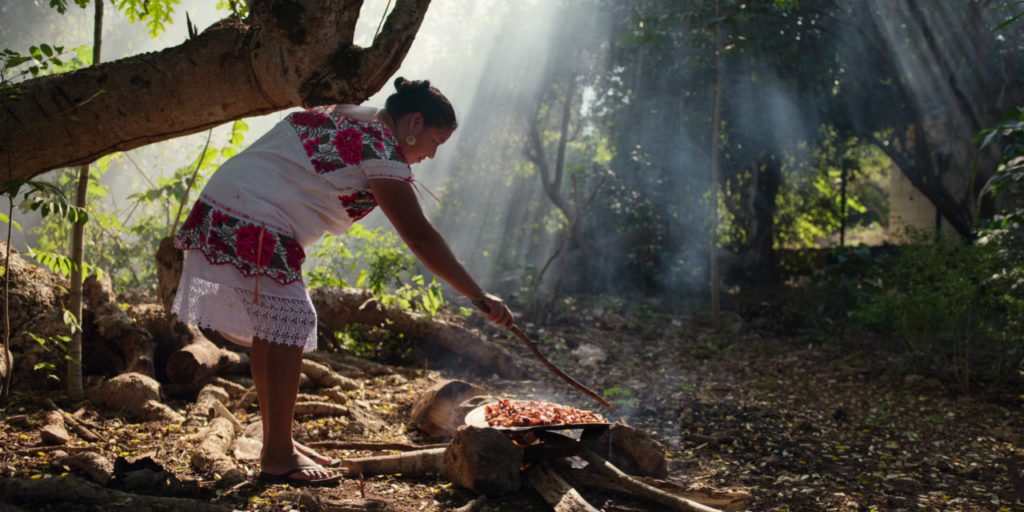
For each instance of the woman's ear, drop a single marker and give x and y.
(415, 121)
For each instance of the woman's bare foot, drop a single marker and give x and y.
(322, 460)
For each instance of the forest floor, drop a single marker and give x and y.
(801, 425)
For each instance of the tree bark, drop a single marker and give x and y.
(288, 53)
(192, 365)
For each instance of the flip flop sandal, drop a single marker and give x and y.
(287, 478)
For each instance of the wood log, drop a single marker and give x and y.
(56, 492)
(351, 366)
(483, 460)
(473, 505)
(54, 431)
(323, 376)
(193, 364)
(113, 325)
(169, 262)
(415, 463)
(337, 308)
(439, 410)
(211, 455)
(136, 394)
(98, 467)
(320, 501)
(373, 446)
(555, 490)
(320, 408)
(633, 450)
(641, 489)
(204, 407)
(726, 500)
(83, 431)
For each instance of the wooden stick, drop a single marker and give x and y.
(415, 463)
(532, 345)
(647, 492)
(725, 500)
(371, 446)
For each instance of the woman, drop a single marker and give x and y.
(317, 171)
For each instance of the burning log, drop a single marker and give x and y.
(555, 490)
(633, 450)
(484, 460)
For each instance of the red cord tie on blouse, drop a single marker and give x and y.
(259, 260)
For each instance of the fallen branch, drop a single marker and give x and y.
(210, 456)
(474, 504)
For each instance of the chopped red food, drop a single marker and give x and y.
(513, 413)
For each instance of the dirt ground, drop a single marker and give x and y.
(801, 424)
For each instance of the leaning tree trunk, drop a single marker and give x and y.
(287, 53)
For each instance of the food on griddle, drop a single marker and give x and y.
(513, 413)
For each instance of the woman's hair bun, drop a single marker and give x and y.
(401, 84)
(418, 96)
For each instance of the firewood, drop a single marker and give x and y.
(641, 489)
(416, 463)
(338, 308)
(484, 460)
(473, 505)
(211, 455)
(136, 394)
(169, 262)
(438, 411)
(371, 446)
(234, 389)
(82, 431)
(203, 409)
(53, 493)
(98, 467)
(633, 450)
(200, 360)
(726, 500)
(114, 325)
(325, 377)
(320, 408)
(54, 431)
(555, 490)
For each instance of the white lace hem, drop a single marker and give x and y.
(232, 311)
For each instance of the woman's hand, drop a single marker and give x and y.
(495, 310)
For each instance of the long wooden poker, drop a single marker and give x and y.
(532, 345)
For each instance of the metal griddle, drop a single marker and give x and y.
(478, 418)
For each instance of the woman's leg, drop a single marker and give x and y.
(275, 370)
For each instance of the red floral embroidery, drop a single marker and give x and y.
(350, 146)
(294, 255)
(310, 118)
(248, 243)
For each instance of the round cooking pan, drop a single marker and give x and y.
(478, 418)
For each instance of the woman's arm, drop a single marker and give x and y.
(398, 201)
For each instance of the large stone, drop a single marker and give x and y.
(440, 410)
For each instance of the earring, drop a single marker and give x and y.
(410, 140)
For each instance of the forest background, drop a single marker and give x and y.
(641, 156)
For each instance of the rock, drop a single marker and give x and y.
(135, 393)
(633, 451)
(589, 356)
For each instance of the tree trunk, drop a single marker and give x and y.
(234, 69)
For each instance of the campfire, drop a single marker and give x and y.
(498, 446)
